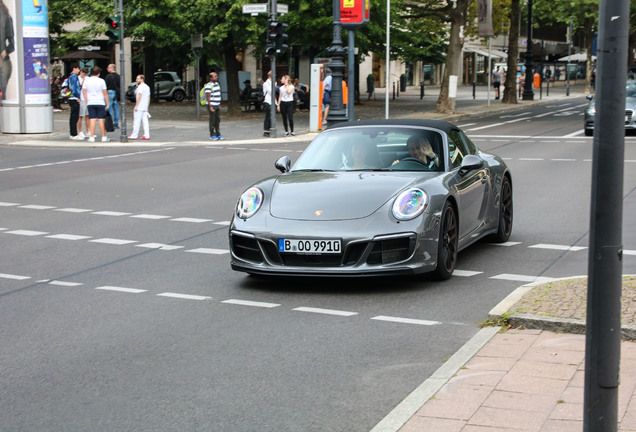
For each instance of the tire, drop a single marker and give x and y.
(447, 244)
(589, 132)
(178, 95)
(505, 212)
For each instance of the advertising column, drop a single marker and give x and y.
(25, 104)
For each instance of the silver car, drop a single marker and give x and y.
(374, 197)
(630, 110)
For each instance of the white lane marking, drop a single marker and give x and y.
(506, 244)
(121, 289)
(69, 237)
(224, 223)
(513, 115)
(573, 134)
(26, 232)
(521, 278)
(8, 204)
(209, 251)
(192, 220)
(531, 159)
(37, 207)
(14, 277)
(159, 246)
(485, 127)
(465, 273)
(405, 320)
(250, 303)
(150, 216)
(113, 241)
(518, 120)
(110, 213)
(64, 283)
(629, 252)
(73, 210)
(325, 311)
(549, 142)
(466, 125)
(563, 160)
(183, 296)
(7, 169)
(558, 247)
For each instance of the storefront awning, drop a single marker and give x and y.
(484, 52)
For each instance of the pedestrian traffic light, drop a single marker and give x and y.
(113, 32)
(270, 47)
(276, 38)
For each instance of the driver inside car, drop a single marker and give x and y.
(420, 148)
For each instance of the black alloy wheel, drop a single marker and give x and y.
(505, 212)
(447, 246)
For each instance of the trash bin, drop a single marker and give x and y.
(403, 83)
(370, 84)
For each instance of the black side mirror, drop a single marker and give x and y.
(589, 97)
(470, 162)
(283, 164)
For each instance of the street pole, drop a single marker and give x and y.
(123, 136)
(567, 68)
(351, 76)
(273, 6)
(337, 66)
(528, 93)
(603, 323)
(388, 58)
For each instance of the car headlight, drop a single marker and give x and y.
(250, 202)
(409, 204)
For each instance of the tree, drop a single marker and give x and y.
(510, 85)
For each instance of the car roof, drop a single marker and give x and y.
(436, 124)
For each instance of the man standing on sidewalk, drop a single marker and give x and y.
(74, 101)
(213, 98)
(267, 104)
(113, 86)
(96, 97)
(141, 109)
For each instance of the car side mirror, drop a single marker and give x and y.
(470, 162)
(589, 97)
(283, 164)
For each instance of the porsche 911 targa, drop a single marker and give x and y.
(373, 197)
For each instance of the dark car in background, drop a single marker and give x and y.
(630, 110)
(167, 85)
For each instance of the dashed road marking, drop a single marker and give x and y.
(64, 283)
(209, 251)
(150, 216)
(27, 233)
(325, 311)
(251, 303)
(183, 296)
(160, 246)
(13, 276)
(121, 289)
(113, 241)
(558, 247)
(191, 220)
(37, 207)
(405, 320)
(110, 213)
(69, 237)
(73, 210)
(521, 278)
(466, 273)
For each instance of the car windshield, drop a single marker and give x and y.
(630, 89)
(374, 148)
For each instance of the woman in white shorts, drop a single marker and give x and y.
(83, 111)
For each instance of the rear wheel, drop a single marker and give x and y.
(589, 132)
(505, 212)
(178, 95)
(447, 245)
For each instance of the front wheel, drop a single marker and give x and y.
(178, 95)
(505, 212)
(447, 244)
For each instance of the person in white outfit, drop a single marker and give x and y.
(96, 97)
(141, 109)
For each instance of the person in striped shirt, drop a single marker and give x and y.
(213, 98)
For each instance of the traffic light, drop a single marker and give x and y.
(276, 38)
(113, 32)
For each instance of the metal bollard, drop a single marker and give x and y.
(393, 90)
(422, 90)
(398, 89)
(547, 89)
(474, 89)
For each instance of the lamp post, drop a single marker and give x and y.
(528, 93)
(337, 66)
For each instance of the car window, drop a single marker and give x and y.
(630, 89)
(472, 148)
(163, 77)
(456, 149)
(371, 148)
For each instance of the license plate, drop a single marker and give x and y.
(309, 246)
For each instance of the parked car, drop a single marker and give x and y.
(630, 110)
(168, 85)
(358, 202)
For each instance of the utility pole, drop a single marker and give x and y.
(273, 6)
(603, 324)
(123, 136)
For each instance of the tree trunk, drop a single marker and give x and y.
(232, 70)
(510, 86)
(446, 104)
(589, 45)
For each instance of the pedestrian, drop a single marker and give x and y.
(96, 97)
(267, 104)
(83, 110)
(286, 103)
(496, 81)
(7, 46)
(74, 101)
(113, 86)
(213, 98)
(141, 115)
(326, 95)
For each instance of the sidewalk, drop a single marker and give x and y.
(521, 380)
(175, 124)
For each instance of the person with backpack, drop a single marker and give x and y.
(213, 99)
(74, 102)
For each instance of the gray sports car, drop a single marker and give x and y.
(630, 110)
(373, 197)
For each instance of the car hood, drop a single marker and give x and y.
(328, 196)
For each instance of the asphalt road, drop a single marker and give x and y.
(119, 310)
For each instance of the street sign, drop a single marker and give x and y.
(256, 8)
(90, 48)
(353, 13)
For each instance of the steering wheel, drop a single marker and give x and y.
(414, 159)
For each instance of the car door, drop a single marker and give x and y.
(471, 188)
(164, 83)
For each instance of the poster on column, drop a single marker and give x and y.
(35, 37)
(8, 55)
